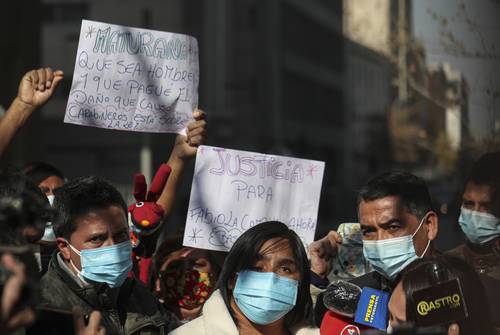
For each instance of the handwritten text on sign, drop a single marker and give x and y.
(133, 79)
(233, 191)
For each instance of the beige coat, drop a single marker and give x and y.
(216, 320)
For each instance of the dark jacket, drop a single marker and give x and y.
(487, 265)
(130, 309)
(481, 258)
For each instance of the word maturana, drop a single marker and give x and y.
(109, 41)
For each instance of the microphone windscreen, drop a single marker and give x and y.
(342, 297)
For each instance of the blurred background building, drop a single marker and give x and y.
(344, 82)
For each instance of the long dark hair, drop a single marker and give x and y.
(418, 275)
(244, 254)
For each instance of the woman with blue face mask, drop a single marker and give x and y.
(263, 287)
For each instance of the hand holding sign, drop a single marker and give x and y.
(133, 79)
(235, 190)
(187, 145)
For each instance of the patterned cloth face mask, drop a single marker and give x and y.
(186, 288)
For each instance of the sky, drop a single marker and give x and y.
(482, 73)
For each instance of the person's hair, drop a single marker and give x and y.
(39, 171)
(411, 189)
(80, 196)
(485, 171)
(246, 251)
(22, 204)
(419, 275)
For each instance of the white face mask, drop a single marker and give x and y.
(36, 252)
(48, 234)
(51, 199)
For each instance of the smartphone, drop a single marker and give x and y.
(52, 321)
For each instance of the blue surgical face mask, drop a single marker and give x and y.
(480, 228)
(390, 256)
(109, 265)
(264, 297)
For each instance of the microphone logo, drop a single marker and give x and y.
(423, 308)
(439, 303)
(451, 301)
(350, 330)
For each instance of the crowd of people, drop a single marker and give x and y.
(72, 260)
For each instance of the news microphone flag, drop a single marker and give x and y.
(372, 308)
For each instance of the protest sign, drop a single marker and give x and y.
(234, 190)
(133, 79)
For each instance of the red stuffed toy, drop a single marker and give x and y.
(146, 214)
(145, 219)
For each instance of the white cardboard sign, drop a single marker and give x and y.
(235, 190)
(133, 79)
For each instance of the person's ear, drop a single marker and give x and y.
(63, 247)
(453, 329)
(431, 223)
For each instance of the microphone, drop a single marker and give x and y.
(439, 304)
(342, 298)
(336, 324)
(349, 304)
